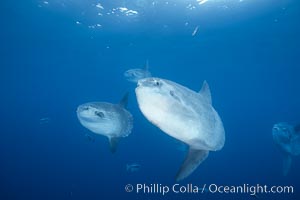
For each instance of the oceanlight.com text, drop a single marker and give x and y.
(155, 188)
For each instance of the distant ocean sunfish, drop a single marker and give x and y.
(287, 138)
(134, 75)
(185, 115)
(110, 120)
(134, 167)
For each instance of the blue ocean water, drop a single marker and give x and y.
(56, 55)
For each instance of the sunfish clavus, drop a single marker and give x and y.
(110, 120)
(287, 138)
(185, 115)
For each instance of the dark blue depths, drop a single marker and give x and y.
(50, 65)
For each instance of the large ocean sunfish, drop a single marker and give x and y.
(110, 120)
(287, 138)
(134, 75)
(185, 115)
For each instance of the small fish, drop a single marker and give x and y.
(134, 167)
(44, 120)
(195, 31)
(133, 75)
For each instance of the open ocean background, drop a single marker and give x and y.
(56, 55)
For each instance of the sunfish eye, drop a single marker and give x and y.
(85, 108)
(157, 83)
(99, 114)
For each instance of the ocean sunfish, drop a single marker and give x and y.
(134, 167)
(185, 115)
(110, 120)
(44, 120)
(287, 138)
(133, 75)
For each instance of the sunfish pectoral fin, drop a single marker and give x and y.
(124, 101)
(113, 143)
(287, 161)
(193, 159)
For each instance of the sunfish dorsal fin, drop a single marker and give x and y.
(193, 159)
(113, 143)
(287, 161)
(124, 100)
(205, 92)
(147, 65)
(297, 128)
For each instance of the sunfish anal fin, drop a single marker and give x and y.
(287, 161)
(193, 159)
(113, 143)
(124, 101)
(205, 92)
